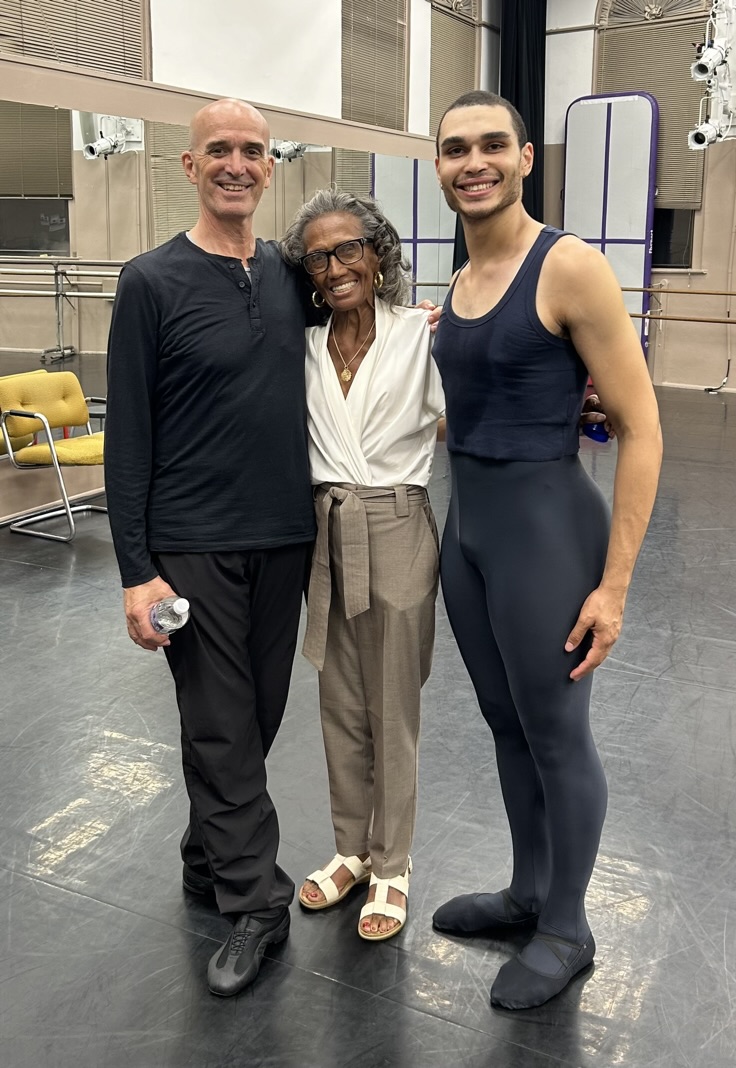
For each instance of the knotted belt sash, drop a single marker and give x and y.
(353, 521)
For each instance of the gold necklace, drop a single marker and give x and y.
(346, 374)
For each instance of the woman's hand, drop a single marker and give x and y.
(602, 613)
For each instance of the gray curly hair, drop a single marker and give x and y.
(386, 241)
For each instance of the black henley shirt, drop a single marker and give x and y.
(205, 435)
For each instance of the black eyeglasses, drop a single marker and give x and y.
(346, 252)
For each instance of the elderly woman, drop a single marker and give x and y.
(374, 400)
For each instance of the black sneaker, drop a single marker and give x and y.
(196, 883)
(236, 963)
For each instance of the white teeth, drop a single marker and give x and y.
(233, 188)
(343, 288)
(480, 187)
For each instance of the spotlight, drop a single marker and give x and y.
(702, 135)
(103, 146)
(709, 59)
(286, 151)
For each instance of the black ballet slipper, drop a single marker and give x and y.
(472, 914)
(519, 985)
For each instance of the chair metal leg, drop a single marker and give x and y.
(69, 510)
(22, 526)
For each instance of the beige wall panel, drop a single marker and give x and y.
(108, 220)
(25, 491)
(93, 321)
(554, 176)
(109, 217)
(689, 354)
(128, 223)
(27, 324)
(685, 354)
(291, 186)
(88, 219)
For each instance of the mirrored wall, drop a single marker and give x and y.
(104, 188)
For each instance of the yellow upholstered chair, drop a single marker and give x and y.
(18, 443)
(37, 404)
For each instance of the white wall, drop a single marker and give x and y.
(420, 50)
(286, 53)
(561, 13)
(569, 76)
(569, 62)
(283, 53)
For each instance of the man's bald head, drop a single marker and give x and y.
(228, 160)
(221, 113)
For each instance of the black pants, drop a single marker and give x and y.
(524, 545)
(232, 666)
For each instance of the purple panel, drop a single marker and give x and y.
(414, 225)
(648, 240)
(606, 168)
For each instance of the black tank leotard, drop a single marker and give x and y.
(524, 544)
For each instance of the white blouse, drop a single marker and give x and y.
(383, 433)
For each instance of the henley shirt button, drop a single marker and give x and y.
(242, 285)
(231, 266)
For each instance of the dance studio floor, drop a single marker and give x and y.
(103, 956)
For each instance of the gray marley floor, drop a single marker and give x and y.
(103, 956)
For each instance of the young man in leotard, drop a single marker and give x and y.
(534, 595)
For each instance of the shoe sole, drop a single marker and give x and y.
(341, 896)
(378, 937)
(279, 934)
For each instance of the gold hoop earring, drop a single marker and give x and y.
(318, 300)
(378, 280)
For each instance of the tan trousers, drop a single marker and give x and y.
(370, 631)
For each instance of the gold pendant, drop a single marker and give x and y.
(346, 374)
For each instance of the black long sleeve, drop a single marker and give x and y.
(131, 383)
(205, 443)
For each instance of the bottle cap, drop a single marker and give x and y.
(180, 606)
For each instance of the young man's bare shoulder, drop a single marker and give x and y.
(574, 260)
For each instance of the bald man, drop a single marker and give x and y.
(209, 497)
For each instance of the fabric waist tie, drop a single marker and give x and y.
(353, 520)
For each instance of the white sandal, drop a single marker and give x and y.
(359, 869)
(380, 906)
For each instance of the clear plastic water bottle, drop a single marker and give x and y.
(169, 614)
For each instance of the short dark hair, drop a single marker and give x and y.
(491, 100)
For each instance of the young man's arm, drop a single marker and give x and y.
(586, 300)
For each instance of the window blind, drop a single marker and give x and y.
(452, 71)
(174, 202)
(655, 57)
(86, 33)
(374, 62)
(35, 151)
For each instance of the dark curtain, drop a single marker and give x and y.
(523, 38)
(523, 32)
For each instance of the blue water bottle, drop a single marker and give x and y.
(596, 431)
